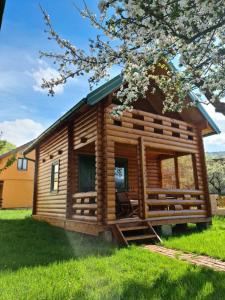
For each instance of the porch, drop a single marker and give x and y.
(163, 184)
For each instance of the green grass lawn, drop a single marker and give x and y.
(41, 262)
(210, 242)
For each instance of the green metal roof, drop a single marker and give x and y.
(104, 90)
(204, 113)
(96, 96)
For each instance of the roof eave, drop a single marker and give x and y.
(54, 125)
(205, 114)
(195, 99)
(104, 90)
(91, 99)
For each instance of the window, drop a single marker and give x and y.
(86, 173)
(55, 177)
(22, 164)
(168, 173)
(121, 179)
(186, 172)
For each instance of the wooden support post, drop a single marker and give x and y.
(109, 171)
(143, 176)
(99, 164)
(70, 172)
(177, 172)
(204, 172)
(194, 164)
(110, 180)
(35, 193)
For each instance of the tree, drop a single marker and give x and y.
(140, 36)
(216, 175)
(5, 147)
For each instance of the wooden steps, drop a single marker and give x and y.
(139, 232)
(133, 228)
(140, 237)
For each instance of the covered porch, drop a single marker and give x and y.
(159, 185)
(163, 183)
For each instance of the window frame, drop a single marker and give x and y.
(52, 190)
(23, 159)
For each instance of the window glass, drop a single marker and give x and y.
(22, 164)
(186, 172)
(168, 173)
(121, 179)
(55, 177)
(86, 173)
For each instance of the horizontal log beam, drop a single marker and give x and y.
(174, 191)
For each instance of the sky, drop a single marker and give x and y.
(27, 110)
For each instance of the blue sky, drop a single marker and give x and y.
(25, 109)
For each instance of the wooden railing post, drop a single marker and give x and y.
(143, 176)
(194, 163)
(177, 172)
(204, 172)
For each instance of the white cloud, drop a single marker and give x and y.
(47, 73)
(216, 142)
(20, 131)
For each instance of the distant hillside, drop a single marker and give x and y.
(218, 154)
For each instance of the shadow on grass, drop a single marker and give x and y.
(218, 224)
(26, 242)
(202, 284)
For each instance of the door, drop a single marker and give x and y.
(121, 174)
(1, 193)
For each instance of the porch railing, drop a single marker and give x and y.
(85, 206)
(179, 203)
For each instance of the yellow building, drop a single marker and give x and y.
(16, 182)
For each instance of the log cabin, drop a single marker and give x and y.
(96, 174)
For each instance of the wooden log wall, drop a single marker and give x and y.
(158, 131)
(87, 206)
(153, 170)
(85, 128)
(88, 132)
(55, 148)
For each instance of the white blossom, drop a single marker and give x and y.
(142, 35)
